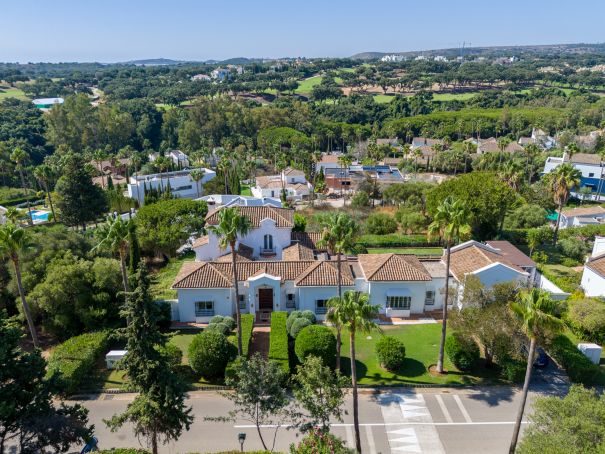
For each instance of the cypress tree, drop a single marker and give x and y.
(134, 255)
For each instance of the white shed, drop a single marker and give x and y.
(591, 351)
(113, 357)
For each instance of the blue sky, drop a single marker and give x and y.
(118, 30)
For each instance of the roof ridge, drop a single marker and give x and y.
(384, 262)
(308, 271)
(220, 272)
(194, 268)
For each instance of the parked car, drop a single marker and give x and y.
(542, 358)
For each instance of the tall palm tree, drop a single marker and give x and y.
(44, 175)
(358, 315)
(20, 158)
(197, 175)
(14, 241)
(99, 156)
(537, 312)
(562, 180)
(114, 235)
(451, 224)
(344, 161)
(338, 234)
(231, 226)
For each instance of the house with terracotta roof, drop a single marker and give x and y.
(580, 216)
(293, 181)
(593, 276)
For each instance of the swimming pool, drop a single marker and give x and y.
(39, 215)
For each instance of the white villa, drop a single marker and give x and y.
(590, 166)
(218, 200)
(293, 181)
(178, 158)
(581, 216)
(180, 182)
(593, 276)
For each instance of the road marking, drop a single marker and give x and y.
(370, 438)
(467, 417)
(386, 424)
(446, 413)
(350, 436)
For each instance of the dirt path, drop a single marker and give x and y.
(260, 341)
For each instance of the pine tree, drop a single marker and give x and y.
(134, 255)
(158, 413)
(110, 183)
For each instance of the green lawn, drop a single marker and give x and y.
(305, 86)
(165, 276)
(12, 92)
(422, 349)
(407, 250)
(245, 190)
(383, 99)
(453, 96)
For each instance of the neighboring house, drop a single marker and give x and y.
(293, 181)
(47, 103)
(180, 183)
(591, 166)
(578, 217)
(2, 215)
(218, 200)
(201, 77)
(328, 161)
(491, 146)
(588, 141)
(178, 158)
(418, 142)
(593, 276)
(540, 138)
(220, 74)
(117, 169)
(426, 147)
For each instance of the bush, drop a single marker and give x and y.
(317, 441)
(75, 358)
(394, 240)
(173, 354)
(573, 248)
(526, 217)
(300, 223)
(209, 353)
(278, 341)
(216, 319)
(292, 317)
(230, 322)
(578, 367)
(232, 368)
(247, 327)
(298, 325)
(316, 340)
(513, 370)
(410, 221)
(390, 352)
(360, 200)
(221, 327)
(380, 224)
(462, 351)
(587, 319)
(309, 315)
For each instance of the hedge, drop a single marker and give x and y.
(75, 358)
(567, 282)
(247, 321)
(210, 352)
(462, 351)
(395, 240)
(578, 367)
(278, 341)
(316, 340)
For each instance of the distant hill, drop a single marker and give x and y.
(154, 62)
(237, 61)
(580, 48)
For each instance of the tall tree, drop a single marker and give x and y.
(158, 413)
(44, 175)
(537, 313)
(231, 226)
(20, 158)
(13, 242)
(197, 175)
(134, 253)
(358, 316)
(562, 180)
(451, 224)
(338, 233)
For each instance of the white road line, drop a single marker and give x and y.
(446, 413)
(370, 438)
(350, 436)
(384, 424)
(467, 417)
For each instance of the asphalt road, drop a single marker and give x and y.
(399, 421)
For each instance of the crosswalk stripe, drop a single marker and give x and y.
(458, 401)
(350, 437)
(370, 437)
(446, 413)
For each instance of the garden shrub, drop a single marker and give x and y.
(317, 441)
(462, 351)
(309, 315)
(221, 327)
(294, 315)
(316, 340)
(298, 325)
(75, 358)
(209, 353)
(216, 319)
(232, 368)
(247, 327)
(380, 224)
(513, 370)
(578, 367)
(573, 248)
(390, 352)
(360, 200)
(395, 240)
(230, 322)
(173, 354)
(278, 341)
(587, 319)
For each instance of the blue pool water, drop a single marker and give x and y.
(38, 215)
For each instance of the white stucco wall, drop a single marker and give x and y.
(592, 283)
(417, 290)
(498, 274)
(222, 298)
(308, 295)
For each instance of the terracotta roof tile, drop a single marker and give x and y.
(584, 211)
(283, 217)
(308, 239)
(201, 275)
(472, 258)
(511, 253)
(597, 264)
(294, 172)
(297, 252)
(201, 241)
(325, 273)
(392, 267)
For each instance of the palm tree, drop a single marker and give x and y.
(99, 156)
(232, 225)
(572, 149)
(197, 175)
(20, 157)
(536, 311)
(338, 236)
(451, 224)
(358, 315)
(44, 174)
(344, 161)
(562, 180)
(13, 241)
(114, 236)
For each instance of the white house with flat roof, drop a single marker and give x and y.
(593, 276)
(180, 182)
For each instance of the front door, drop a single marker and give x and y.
(265, 299)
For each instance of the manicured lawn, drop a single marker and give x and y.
(383, 99)
(12, 92)
(422, 349)
(453, 96)
(305, 86)
(245, 190)
(407, 250)
(165, 276)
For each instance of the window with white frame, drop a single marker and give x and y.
(429, 298)
(321, 306)
(399, 302)
(242, 301)
(290, 302)
(268, 242)
(204, 308)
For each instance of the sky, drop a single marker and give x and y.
(122, 30)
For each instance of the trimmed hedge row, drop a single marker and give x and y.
(462, 351)
(247, 326)
(578, 367)
(395, 240)
(75, 358)
(278, 341)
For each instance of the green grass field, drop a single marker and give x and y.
(164, 277)
(11, 92)
(383, 99)
(453, 96)
(407, 250)
(422, 349)
(245, 190)
(305, 86)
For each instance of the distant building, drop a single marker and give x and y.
(219, 200)
(178, 158)
(201, 77)
(220, 74)
(394, 58)
(440, 58)
(293, 181)
(47, 103)
(593, 276)
(590, 166)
